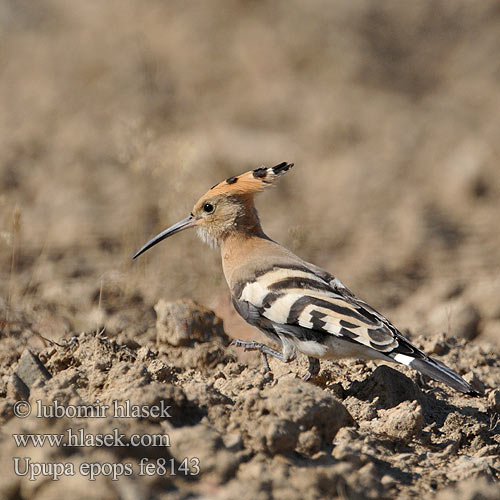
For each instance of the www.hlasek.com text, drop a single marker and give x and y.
(77, 438)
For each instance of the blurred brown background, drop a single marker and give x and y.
(116, 116)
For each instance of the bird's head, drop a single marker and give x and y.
(228, 206)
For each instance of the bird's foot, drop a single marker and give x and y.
(251, 345)
(313, 368)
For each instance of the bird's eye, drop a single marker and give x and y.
(208, 208)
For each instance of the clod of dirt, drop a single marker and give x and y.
(473, 467)
(479, 489)
(362, 411)
(349, 447)
(404, 422)
(392, 387)
(184, 322)
(204, 356)
(206, 444)
(31, 369)
(291, 415)
(154, 394)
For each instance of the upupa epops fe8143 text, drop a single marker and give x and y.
(298, 305)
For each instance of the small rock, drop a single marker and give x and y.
(475, 382)
(494, 400)
(159, 370)
(144, 354)
(30, 369)
(17, 389)
(437, 345)
(233, 441)
(388, 481)
(184, 322)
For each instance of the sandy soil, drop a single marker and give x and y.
(117, 116)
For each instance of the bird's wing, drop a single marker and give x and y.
(301, 295)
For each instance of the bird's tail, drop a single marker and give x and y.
(437, 371)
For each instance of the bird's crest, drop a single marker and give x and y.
(251, 182)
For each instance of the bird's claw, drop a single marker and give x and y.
(313, 368)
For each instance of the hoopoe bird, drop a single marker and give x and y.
(296, 304)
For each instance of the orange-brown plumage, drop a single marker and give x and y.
(249, 183)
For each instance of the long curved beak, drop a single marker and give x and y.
(176, 228)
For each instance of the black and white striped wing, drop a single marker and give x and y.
(305, 303)
(319, 305)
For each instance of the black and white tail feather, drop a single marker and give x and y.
(306, 309)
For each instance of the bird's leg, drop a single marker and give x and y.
(251, 345)
(265, 362)
(313, 368)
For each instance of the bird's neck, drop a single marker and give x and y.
(240, 246)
